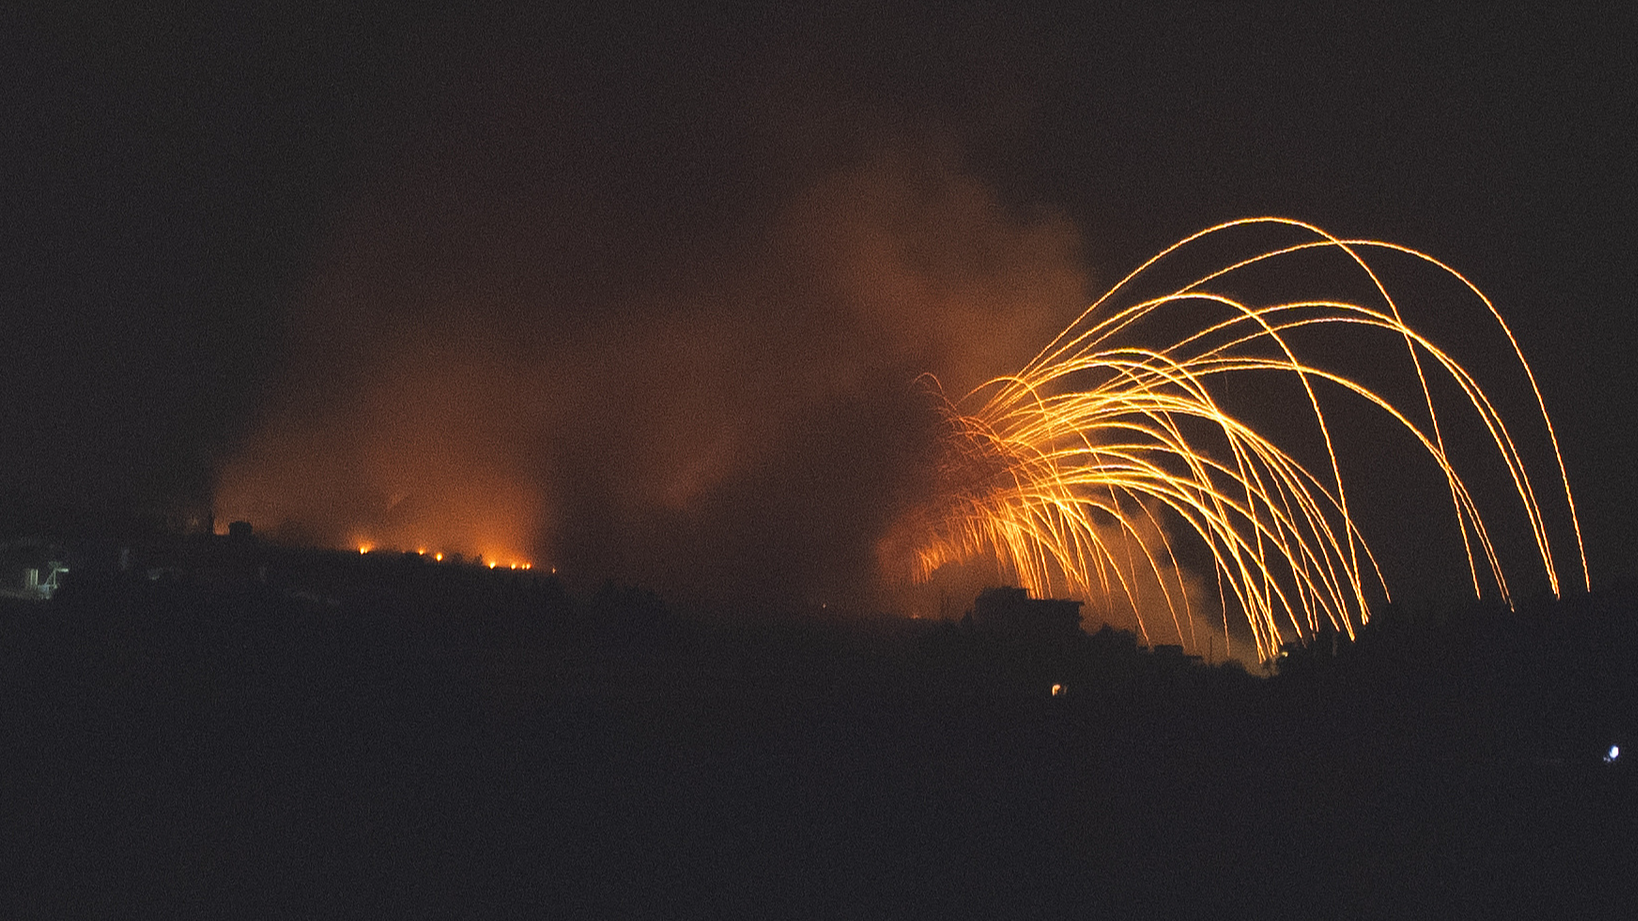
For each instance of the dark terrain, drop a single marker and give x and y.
(451, 742)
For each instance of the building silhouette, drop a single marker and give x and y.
(1008, 611)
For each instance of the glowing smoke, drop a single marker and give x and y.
(725, 415)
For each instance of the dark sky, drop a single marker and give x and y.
(623, 251)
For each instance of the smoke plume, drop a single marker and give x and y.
(501, 360)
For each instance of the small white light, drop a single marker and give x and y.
(1612, 754)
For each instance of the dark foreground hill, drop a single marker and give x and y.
(510, 751)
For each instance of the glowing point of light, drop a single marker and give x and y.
(1057, 690)
(365, 548)
(1612, 754)
(421, 551)
(438, 557)
(491, 564)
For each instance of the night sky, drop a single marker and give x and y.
(643, 295)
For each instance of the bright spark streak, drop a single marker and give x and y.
(1060, 471)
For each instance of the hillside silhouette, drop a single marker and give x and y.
(393, 738)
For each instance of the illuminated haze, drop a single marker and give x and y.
(492, 359)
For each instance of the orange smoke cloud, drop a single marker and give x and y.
(420, 456)
(727, 416)
(927, 266)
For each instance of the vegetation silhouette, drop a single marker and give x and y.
(386, 735)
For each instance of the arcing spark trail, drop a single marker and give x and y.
(1071, 472)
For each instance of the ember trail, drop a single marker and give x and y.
(1086, 471)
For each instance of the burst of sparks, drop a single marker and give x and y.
(1071, 472)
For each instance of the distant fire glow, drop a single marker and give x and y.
(720, 416)
(399, 491)
(367, 547)
(1073, 473)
